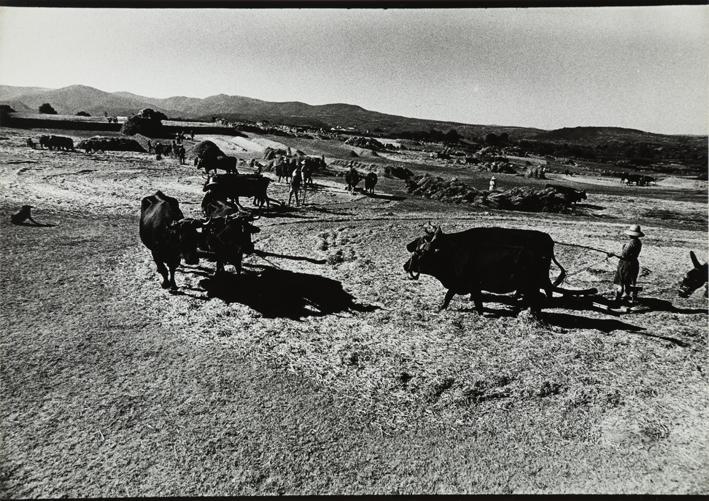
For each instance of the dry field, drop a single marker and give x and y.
(324, 369)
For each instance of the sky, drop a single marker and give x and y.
(637, 67)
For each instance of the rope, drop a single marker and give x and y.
(584, 247)
(587, 267)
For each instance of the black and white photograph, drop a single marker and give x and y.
(346, 250)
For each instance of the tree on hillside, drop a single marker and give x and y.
(82, 114)
(492, 139)
(452, 136)
(47, 109)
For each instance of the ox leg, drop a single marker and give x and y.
(477, 299)
(173, 285)
(533, 300)
(447, 299)
(162, 269)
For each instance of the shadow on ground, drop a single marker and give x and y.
(590, 206)
(282, 293)
(36, 225)
(288, 256)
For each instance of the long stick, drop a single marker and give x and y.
(584, 247)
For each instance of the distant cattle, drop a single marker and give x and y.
(307, 172)
(498, 260)
(168, 235)
(370, 181)
(221, 162)
(695, 278)
(352, 178)
(637, 179)
(571, 195)
(284, 170)
(162, 149)
(56, 142)
(233, 186)
(30, 143)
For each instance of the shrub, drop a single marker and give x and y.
(83, 114)
(47, 109)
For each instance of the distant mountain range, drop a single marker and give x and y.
(75, 98)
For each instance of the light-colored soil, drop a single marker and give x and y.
(323, 369)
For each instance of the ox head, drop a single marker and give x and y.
(185, 231)
(425, 250)
(232, 232)
(694, 279)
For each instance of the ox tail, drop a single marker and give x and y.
(562, 275)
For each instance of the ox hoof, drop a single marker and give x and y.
(165, 285)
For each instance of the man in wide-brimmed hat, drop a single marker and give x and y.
(626, 274)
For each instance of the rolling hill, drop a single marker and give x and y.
(70, 100)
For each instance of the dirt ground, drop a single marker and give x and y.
(323, 369)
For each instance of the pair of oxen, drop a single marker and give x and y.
(171, 237)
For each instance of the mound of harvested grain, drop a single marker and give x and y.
(206, 149)
(439, 189)
(524, 198)
(365, 142)
(352, 154)
(398, 172)
(531, 199)
(104, 143)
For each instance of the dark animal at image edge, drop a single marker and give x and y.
(497, 260)
(695, 278)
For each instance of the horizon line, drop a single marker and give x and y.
(706, 134)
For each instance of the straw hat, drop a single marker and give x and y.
(634, 231)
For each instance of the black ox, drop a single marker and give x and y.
(227, 234)
(233, 186)
(352, 178)
(571, 195)
(497, 260)
(168, 234)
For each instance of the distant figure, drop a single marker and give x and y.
(181, 154)
(493, 183)
(626, 274)
(30, 143)
(192, 135)
(295, 183)
(150, 146)
(252, 163)
(23, 215)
